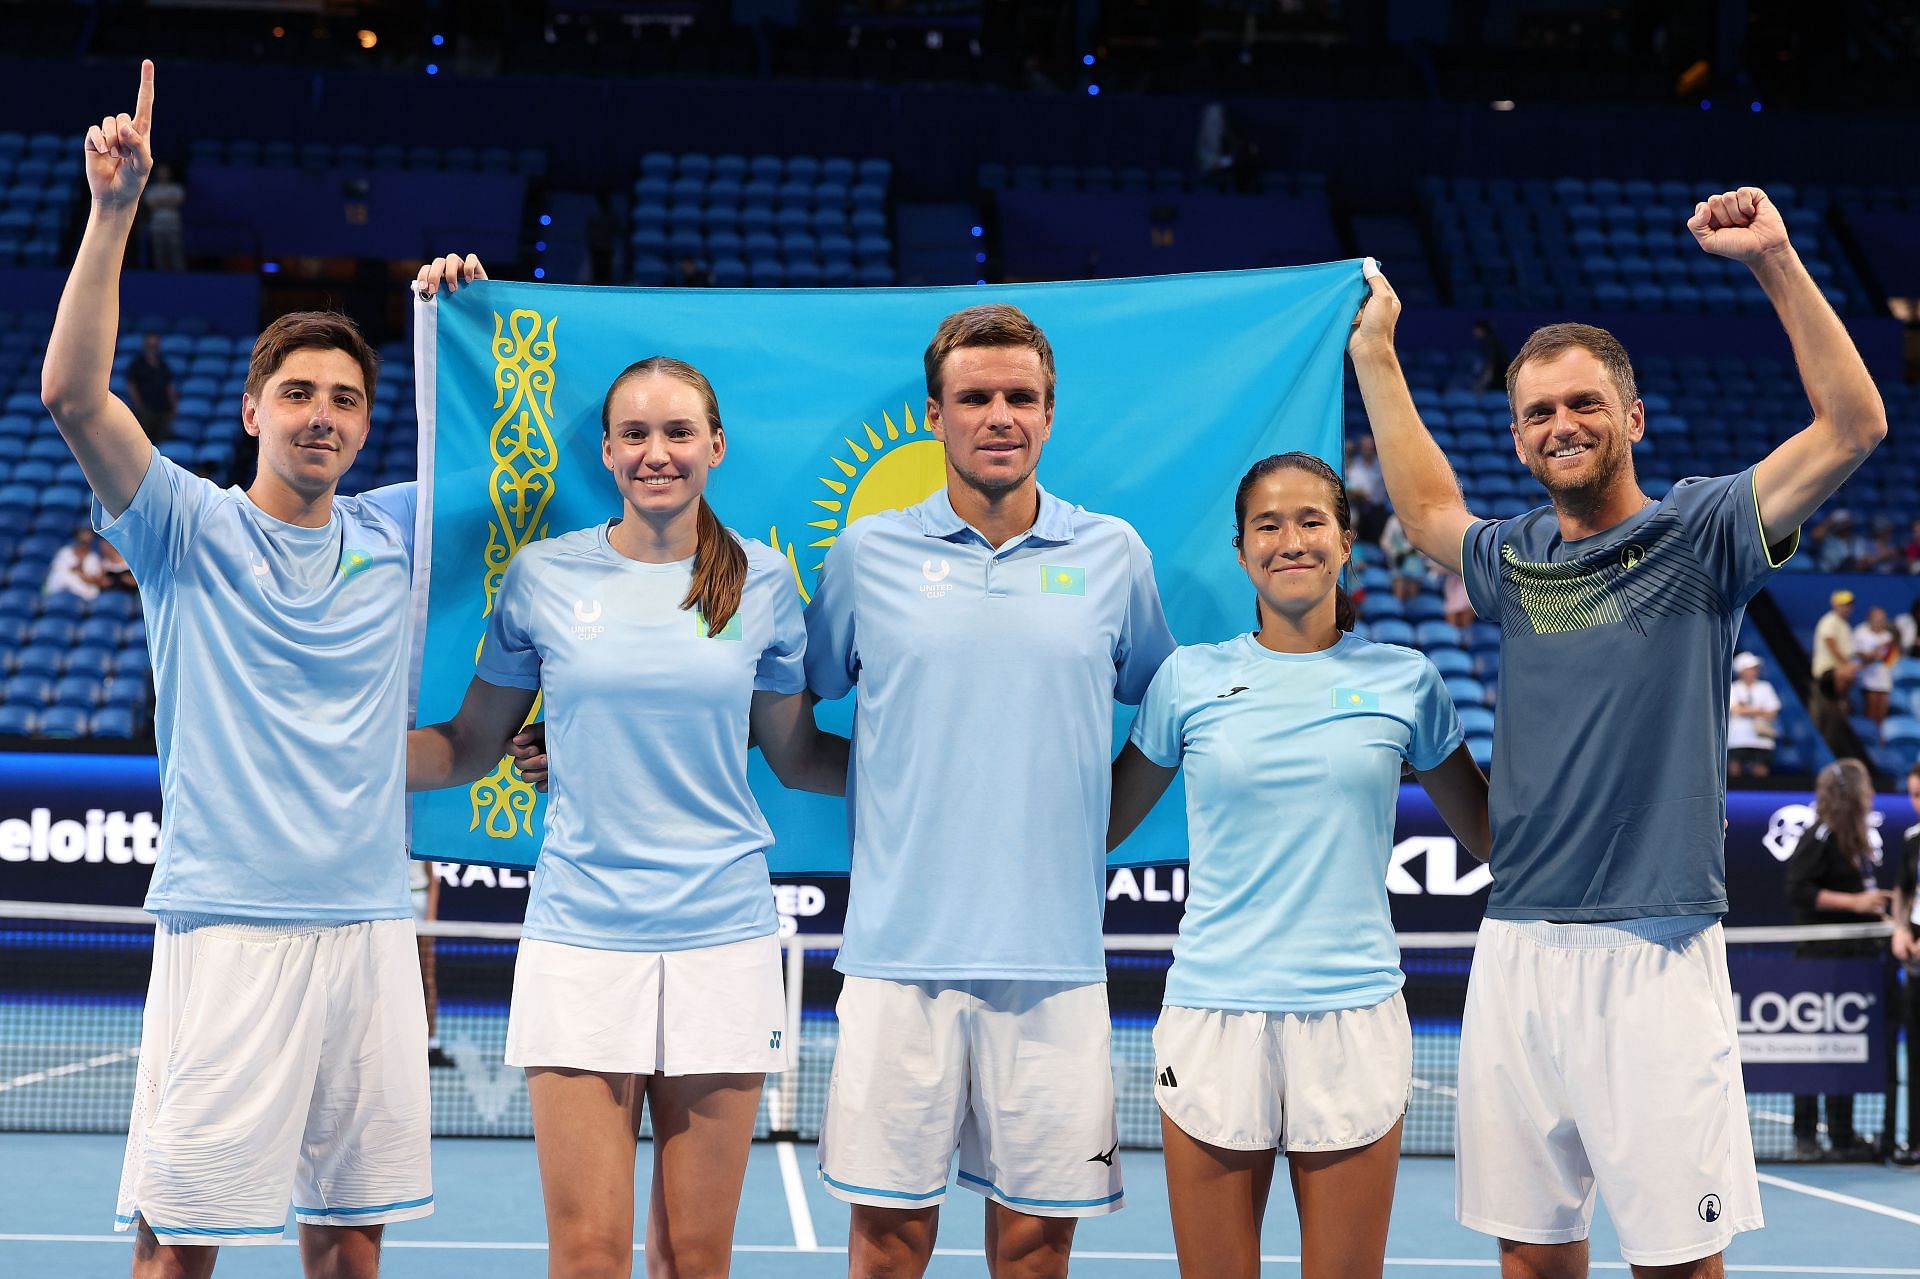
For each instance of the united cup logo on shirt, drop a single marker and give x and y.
(587, 620)
(936, 585)
(885, 469)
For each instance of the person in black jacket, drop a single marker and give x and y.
(1906, 949)
(1830, 880)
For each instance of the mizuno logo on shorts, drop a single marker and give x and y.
(1106, 1158)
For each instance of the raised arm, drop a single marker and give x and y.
(1420, 482)
(1849, 419)
(467, 746)
(801, 755)
(1138, 784)
(1459, 791)
(101, 430)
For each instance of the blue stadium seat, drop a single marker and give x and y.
(1480, 746)
(29, 690)
(1390, 630)
(1379, 606)
(1476, 721)
(1452, 663)
(1864, 728)
(876, 275)
(63, 721)
(1425, 607)
(1467, 692)
(54, 631)
(90, 661)
(1433, 633)
(102, 632)
(111, 722)
(62, 604)
(1902, 732)
(17, 721)
(125, 690)
(77, 691)
(122, 606)
(804, 274)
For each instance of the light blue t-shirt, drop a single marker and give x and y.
(280, 698)
(1292, 763)
(1609, 784)
(983, 733)
(653, 840)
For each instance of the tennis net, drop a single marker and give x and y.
(73, 979)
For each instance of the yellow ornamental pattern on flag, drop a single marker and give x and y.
(888, 469)
(520, 488)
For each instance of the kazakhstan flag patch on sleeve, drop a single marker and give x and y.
(1355, 699)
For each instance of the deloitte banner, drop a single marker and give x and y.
(86, 828)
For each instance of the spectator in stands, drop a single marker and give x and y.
(1910, 550)
(1836, 550)
(1830, 880)
(165, 198)
(1834, 669)
(1875, 647)
(1907, 627)
(692, 275)
(1408, 566)
(1753, 720)
(151, 392)
(76, 567)
(114, 572)
(1491, 373)
(1367, 491)
(1459, 606)
(1879, 554)
(1906, 950)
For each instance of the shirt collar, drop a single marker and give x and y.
(938, 518)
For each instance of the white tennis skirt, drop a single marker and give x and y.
(712, 1010)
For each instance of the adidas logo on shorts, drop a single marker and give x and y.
(1166, 1080)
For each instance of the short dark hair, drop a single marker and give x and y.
(1556, 339)
(991, 324)
(309, 331)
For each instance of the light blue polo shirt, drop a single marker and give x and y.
(983, 734)
(653, 840)
(280, 698)
(1292, 765)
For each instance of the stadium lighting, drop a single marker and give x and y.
(271, 268)
(978, 232)
(1503, 104)
(539, 273)
(980, 258)
(367, 38)
(539, 246)
(433, 68)
(1706, 104)
(438, 39)
(1093, 90)
(1754, 107)
(1086, 59)
(546, 219)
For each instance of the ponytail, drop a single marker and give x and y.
(719, 573)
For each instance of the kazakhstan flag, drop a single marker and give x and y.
(1168, 389)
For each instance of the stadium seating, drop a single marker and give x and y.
(797, 222)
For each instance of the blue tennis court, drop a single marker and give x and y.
(57, 1191)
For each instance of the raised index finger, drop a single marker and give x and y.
(143, 104)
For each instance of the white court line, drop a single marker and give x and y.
(803, 1237)
(1834, 1196)
(1452, 1263)
(71, 1068)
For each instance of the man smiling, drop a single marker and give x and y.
(1618, 614)
(988, 630)
(283, 1047)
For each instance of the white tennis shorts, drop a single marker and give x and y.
(1604, 1057)
(278, 1062)
(1284, 1081)
(712, 1010)
(1017, 1074)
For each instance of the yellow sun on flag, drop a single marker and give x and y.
(887, 469)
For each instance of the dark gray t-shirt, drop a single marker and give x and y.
(1610, 741)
